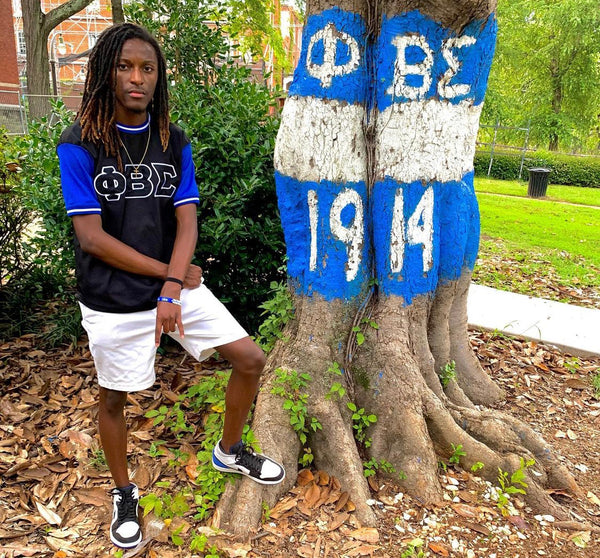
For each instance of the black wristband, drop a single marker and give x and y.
(174, 280)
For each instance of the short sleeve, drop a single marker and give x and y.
(188, 189)
(76, 172)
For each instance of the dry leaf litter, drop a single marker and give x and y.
(53, 493)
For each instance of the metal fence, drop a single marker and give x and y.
(14, 104)
(493, 144)
(12, 112)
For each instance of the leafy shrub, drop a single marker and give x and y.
(14, 218)
(40, 192)
(566, 169)
(37, 258)
(240, 242)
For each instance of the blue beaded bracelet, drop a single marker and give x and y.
(169, 300)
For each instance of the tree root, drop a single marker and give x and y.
(417, 420)
(449, 341)
(312, 351)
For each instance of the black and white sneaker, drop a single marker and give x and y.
(125, 530)
(245, 461)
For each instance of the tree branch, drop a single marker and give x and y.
(62, 12)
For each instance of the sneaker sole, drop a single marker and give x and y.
(236, 472)
(126, 545)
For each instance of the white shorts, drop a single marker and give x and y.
(123, 345)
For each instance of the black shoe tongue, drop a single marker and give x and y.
(237, 447)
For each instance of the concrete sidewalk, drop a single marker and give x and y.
(572, 328)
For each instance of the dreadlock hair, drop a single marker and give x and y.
(97, 114)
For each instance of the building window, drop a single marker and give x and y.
(21, 47)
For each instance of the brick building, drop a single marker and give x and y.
(9, 71)
(69, 43)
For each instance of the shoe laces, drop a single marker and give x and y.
(126, 504)
(247, 457)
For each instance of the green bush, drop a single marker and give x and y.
(14, 218)
(40, 192)
(36, 265)
(568, 170)
(240, 244)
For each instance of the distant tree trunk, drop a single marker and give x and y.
(557, 98)
(36, 28)
(117, 11)
(374, 173)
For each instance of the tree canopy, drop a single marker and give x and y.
(547, 69)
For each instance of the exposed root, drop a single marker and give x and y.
(445, 431)
(394, 395)
(240, 507)
(476, 384)
(417, 420)
(335, 451)
(312, 350)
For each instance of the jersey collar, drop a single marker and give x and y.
(134, 129)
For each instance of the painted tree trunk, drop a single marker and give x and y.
(374, 174)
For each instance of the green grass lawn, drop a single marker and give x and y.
(527, 241)
(571, 194)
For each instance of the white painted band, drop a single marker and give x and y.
(428, 140)
(321, 139)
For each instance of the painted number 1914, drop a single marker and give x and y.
(415, 230)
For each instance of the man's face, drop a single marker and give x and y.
(136, 77)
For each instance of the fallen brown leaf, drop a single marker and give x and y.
(362, 550)
(304, 477)
(365, 534)
(312, 495)
(51, 517)
(342, 501)
(466, 511)
(337, 521)
(438, 549)
(323, 478)
(282, 506)
(478, 527)
(305, 551)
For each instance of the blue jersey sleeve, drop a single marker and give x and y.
(188, 190)
(76, 172)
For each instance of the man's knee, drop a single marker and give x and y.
(112, 402)
(245, 356)
(252, 362)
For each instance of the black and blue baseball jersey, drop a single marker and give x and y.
(136, 205)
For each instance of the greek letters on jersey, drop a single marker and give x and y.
(158, 180)
(136, 205)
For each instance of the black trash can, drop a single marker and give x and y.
(538, 182)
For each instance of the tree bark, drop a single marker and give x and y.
(117, 11)
(374, 173)
(556, 80)
(36, 28)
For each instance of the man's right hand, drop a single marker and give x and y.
(193, 277)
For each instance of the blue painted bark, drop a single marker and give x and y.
(417, 224)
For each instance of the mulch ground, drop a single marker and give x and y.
(53, 487)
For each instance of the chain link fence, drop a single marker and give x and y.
(12, 112)
(14, 108)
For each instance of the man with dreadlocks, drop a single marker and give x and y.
(128, 184)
